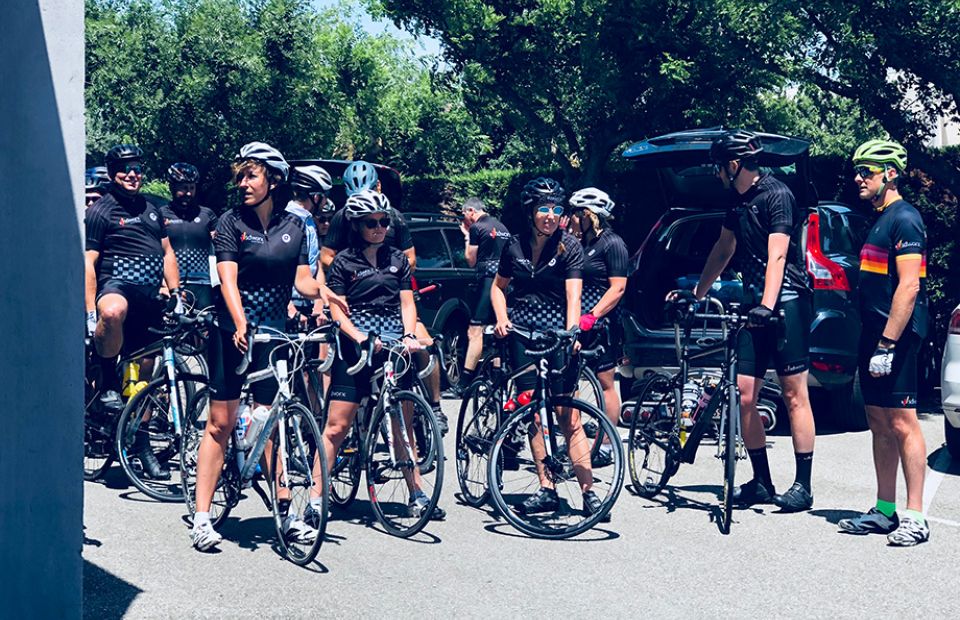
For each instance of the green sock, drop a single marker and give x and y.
(887, 508)
(916, 515)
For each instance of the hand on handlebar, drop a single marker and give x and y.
(240, 338)
(377, 344)
(412, 345)
(759, 316)
(681, 296)
(91, 322)
(502, 329)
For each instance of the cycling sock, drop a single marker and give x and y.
(916, 515)
(283, 506)
(804, 467)
(887, 508)
(466, 378)
(761, 467)
(201, 518)
(108, 372)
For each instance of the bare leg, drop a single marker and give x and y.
(213, 446)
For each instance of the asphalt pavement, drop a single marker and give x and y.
(661, 558)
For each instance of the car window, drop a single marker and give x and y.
(455, 240)
(693, 238)
(842, 232)
(432, 252)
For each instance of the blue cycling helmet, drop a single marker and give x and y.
(359, 176)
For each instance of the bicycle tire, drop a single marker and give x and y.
(389, 503)
(477, 424)
(730, 438)
(163, 440)
(304, 463)
(99, 428)
(345, 475)
(508, 490)
(653, 442)
(227, 493)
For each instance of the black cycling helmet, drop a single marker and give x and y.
(311, 179)
(736, 144)
(182, 172)
(121, 154)
(96, 179)
(541, 190)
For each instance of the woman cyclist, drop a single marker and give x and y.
(261, 254)
(604, 281)
(376, 281)
(544, 265)
(310, 185)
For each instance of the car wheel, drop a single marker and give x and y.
(953, 438)
(846, 406)
(454, 350)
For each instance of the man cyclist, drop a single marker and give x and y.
(484, 237)
(96, 182)
(310, 185)
(893, 308)
(190, 228)
(762, 233)
(127, 257)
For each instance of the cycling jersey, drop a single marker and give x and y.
(190, 229)
(539, 299)
(766, 208)
(313, 251)
(373, 292)
(267, 262)
(489, 235)
(338, 235)
(897, 235)
(604, 257)
(128, 232)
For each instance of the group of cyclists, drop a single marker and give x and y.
(287, 255)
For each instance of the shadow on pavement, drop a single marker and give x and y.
(596, 534)
(833, 515)
(941, 461)
(105, 596)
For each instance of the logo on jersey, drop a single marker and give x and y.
(244, 236)
(286, 237)
(592, 252)
(130, 221)
(153, 216)
(553, 261)
(393, 269)
(196, 220)
(907, 244)
(363, 274)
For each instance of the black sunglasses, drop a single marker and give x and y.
(134, 168)
(323, 219)
(371, 224)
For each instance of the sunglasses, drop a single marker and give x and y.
(865, 172)
(556, 210)
(134, 168)
(323, 219)
(372, 224)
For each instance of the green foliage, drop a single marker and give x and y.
(157, 188)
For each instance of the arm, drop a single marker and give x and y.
(90, 279)
(408, 310)
(346, 325)
(574, 286)
(326, 257)
(305, 283)
(717, 261)
(611, 298)
(904, 297)
(498, 299)
(171, 272)
(777, 246)
(470, 252)
(227, 271)
(411, 255)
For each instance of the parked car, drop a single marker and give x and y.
(676, 248)
(950, 385)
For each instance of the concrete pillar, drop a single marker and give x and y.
(41, 308)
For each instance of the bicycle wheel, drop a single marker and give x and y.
(653, 443)
(426, 448)
(514, 478)
(299, 475)
(147, 425)
(98, 427)
(345, 475)
(227, 493)
(730, 429)
(476, 425)
(391, 453)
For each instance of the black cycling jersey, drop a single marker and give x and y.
(899, 233)
(267, 262)
(190, 229)
(127, 231)
(538, 299)
(373, 292)
(604, 257)
(489, 235)
(338, 235)
(766, 208)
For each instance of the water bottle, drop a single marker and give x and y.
(689, 398)
(242, 430)
(258, 420)
(522, 399)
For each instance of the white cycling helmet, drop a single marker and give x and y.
(597, 201)
(312, 179)
(268, 156)
(366, 202)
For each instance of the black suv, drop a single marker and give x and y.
(676, 248)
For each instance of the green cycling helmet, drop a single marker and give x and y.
(881, 152)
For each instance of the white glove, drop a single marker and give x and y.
(91, 322)
(881, 363)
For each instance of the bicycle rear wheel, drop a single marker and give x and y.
(476, 425)
(99, 427)
(299, 475)
(653, 443)
(514, 478)
(345, 475)
(227, 493)
(391, 456)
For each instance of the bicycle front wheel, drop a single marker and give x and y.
(730, 435)
(653, 450)
(299, 484)
(476, 425)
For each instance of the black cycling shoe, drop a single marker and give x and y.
(454, 392)
(111, 403)
(544, 500)
(148, 461)
(592, 504)
(604, 458)
(796, 499)
(753, 492)
(442, 423)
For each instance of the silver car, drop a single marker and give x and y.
(950, 385)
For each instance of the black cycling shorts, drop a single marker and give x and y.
(608, 334)
(898, 390)
(786, 346)
(483, 309)
(201, 295)
(223, 357)
(353, 388)
(564, 383)
(144, 311)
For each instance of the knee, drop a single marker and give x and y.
(336, 430)
(902, 426)
(879, 422)
(219, 428)
(795, 398)
(748, 402)
(113, 313)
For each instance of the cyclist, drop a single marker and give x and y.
(127, 258)
(605, 267)
(376, 281)
(310, 185)
(484, 237)
(359, 176)
(893, 308)
(544, 265)
(261, 254)
(191, 228)
(96, 182)
(322, 217)
(762, 233)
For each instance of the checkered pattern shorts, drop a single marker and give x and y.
(267, 305)
(194, 266)
(591, 295)
(389, 326)
(138, 269)
(534, 314)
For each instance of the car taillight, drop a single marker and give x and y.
(955, 322)
(826, 274)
